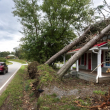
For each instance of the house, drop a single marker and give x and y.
(92, 65)
(92, 58)
(10, 56)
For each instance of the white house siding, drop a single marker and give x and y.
(94, 61)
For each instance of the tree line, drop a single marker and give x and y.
(5, 53)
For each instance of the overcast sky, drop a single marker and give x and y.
(10, 27)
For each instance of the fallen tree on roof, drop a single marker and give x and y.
(75, 42)
(68, 47)
(78, 54)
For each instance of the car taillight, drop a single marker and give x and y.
(1, 67)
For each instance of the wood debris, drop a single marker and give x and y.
(104, 104)
(108, 70)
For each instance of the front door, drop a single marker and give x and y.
(89, 61)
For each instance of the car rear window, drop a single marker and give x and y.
(1, 64)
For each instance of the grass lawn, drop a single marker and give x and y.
(20, 95)
(14, 91)
(18, 60)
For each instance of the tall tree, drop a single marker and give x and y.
(27, 11)
(4, 53)
(63, 15)
(47, 34)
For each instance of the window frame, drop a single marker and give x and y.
(106, 60)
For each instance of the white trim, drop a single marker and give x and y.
(96, 47)
(77, 65)
(104, 48)
(72, 65)
(99, 69)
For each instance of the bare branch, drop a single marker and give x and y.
(106, 10)
(106, 4)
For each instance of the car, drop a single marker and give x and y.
(3, 68)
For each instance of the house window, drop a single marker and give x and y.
(107, 58)
(82, 59)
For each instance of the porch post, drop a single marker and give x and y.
(72, 65)
(99, 69)
(77, 66)
(64, 59)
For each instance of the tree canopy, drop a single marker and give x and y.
(48, 27)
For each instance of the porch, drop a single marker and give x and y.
(88, 76)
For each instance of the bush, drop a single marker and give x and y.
(2, 59)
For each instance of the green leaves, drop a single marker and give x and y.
(46, 34)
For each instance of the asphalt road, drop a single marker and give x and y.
(5, 79)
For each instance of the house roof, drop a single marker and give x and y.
(97, 45)
(100, 44)
(11, 55)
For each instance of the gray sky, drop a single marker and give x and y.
(10, 27)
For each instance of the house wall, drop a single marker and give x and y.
(94, 61)
(104, 69)
(105, 38)
(82, 67)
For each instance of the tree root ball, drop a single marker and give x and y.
(32, 69)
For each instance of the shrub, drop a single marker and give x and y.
(2, 59)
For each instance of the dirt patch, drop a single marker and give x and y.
(6, 105)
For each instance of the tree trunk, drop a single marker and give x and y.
(67, 48)
(71, 45)
(78, 54)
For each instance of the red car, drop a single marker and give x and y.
(3, 68)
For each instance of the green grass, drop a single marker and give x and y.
(18, 60)
(8, 63)
(20, 84)
(52, 102)
(99, 92)
(14, 91)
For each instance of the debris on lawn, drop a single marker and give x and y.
(102, 104)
